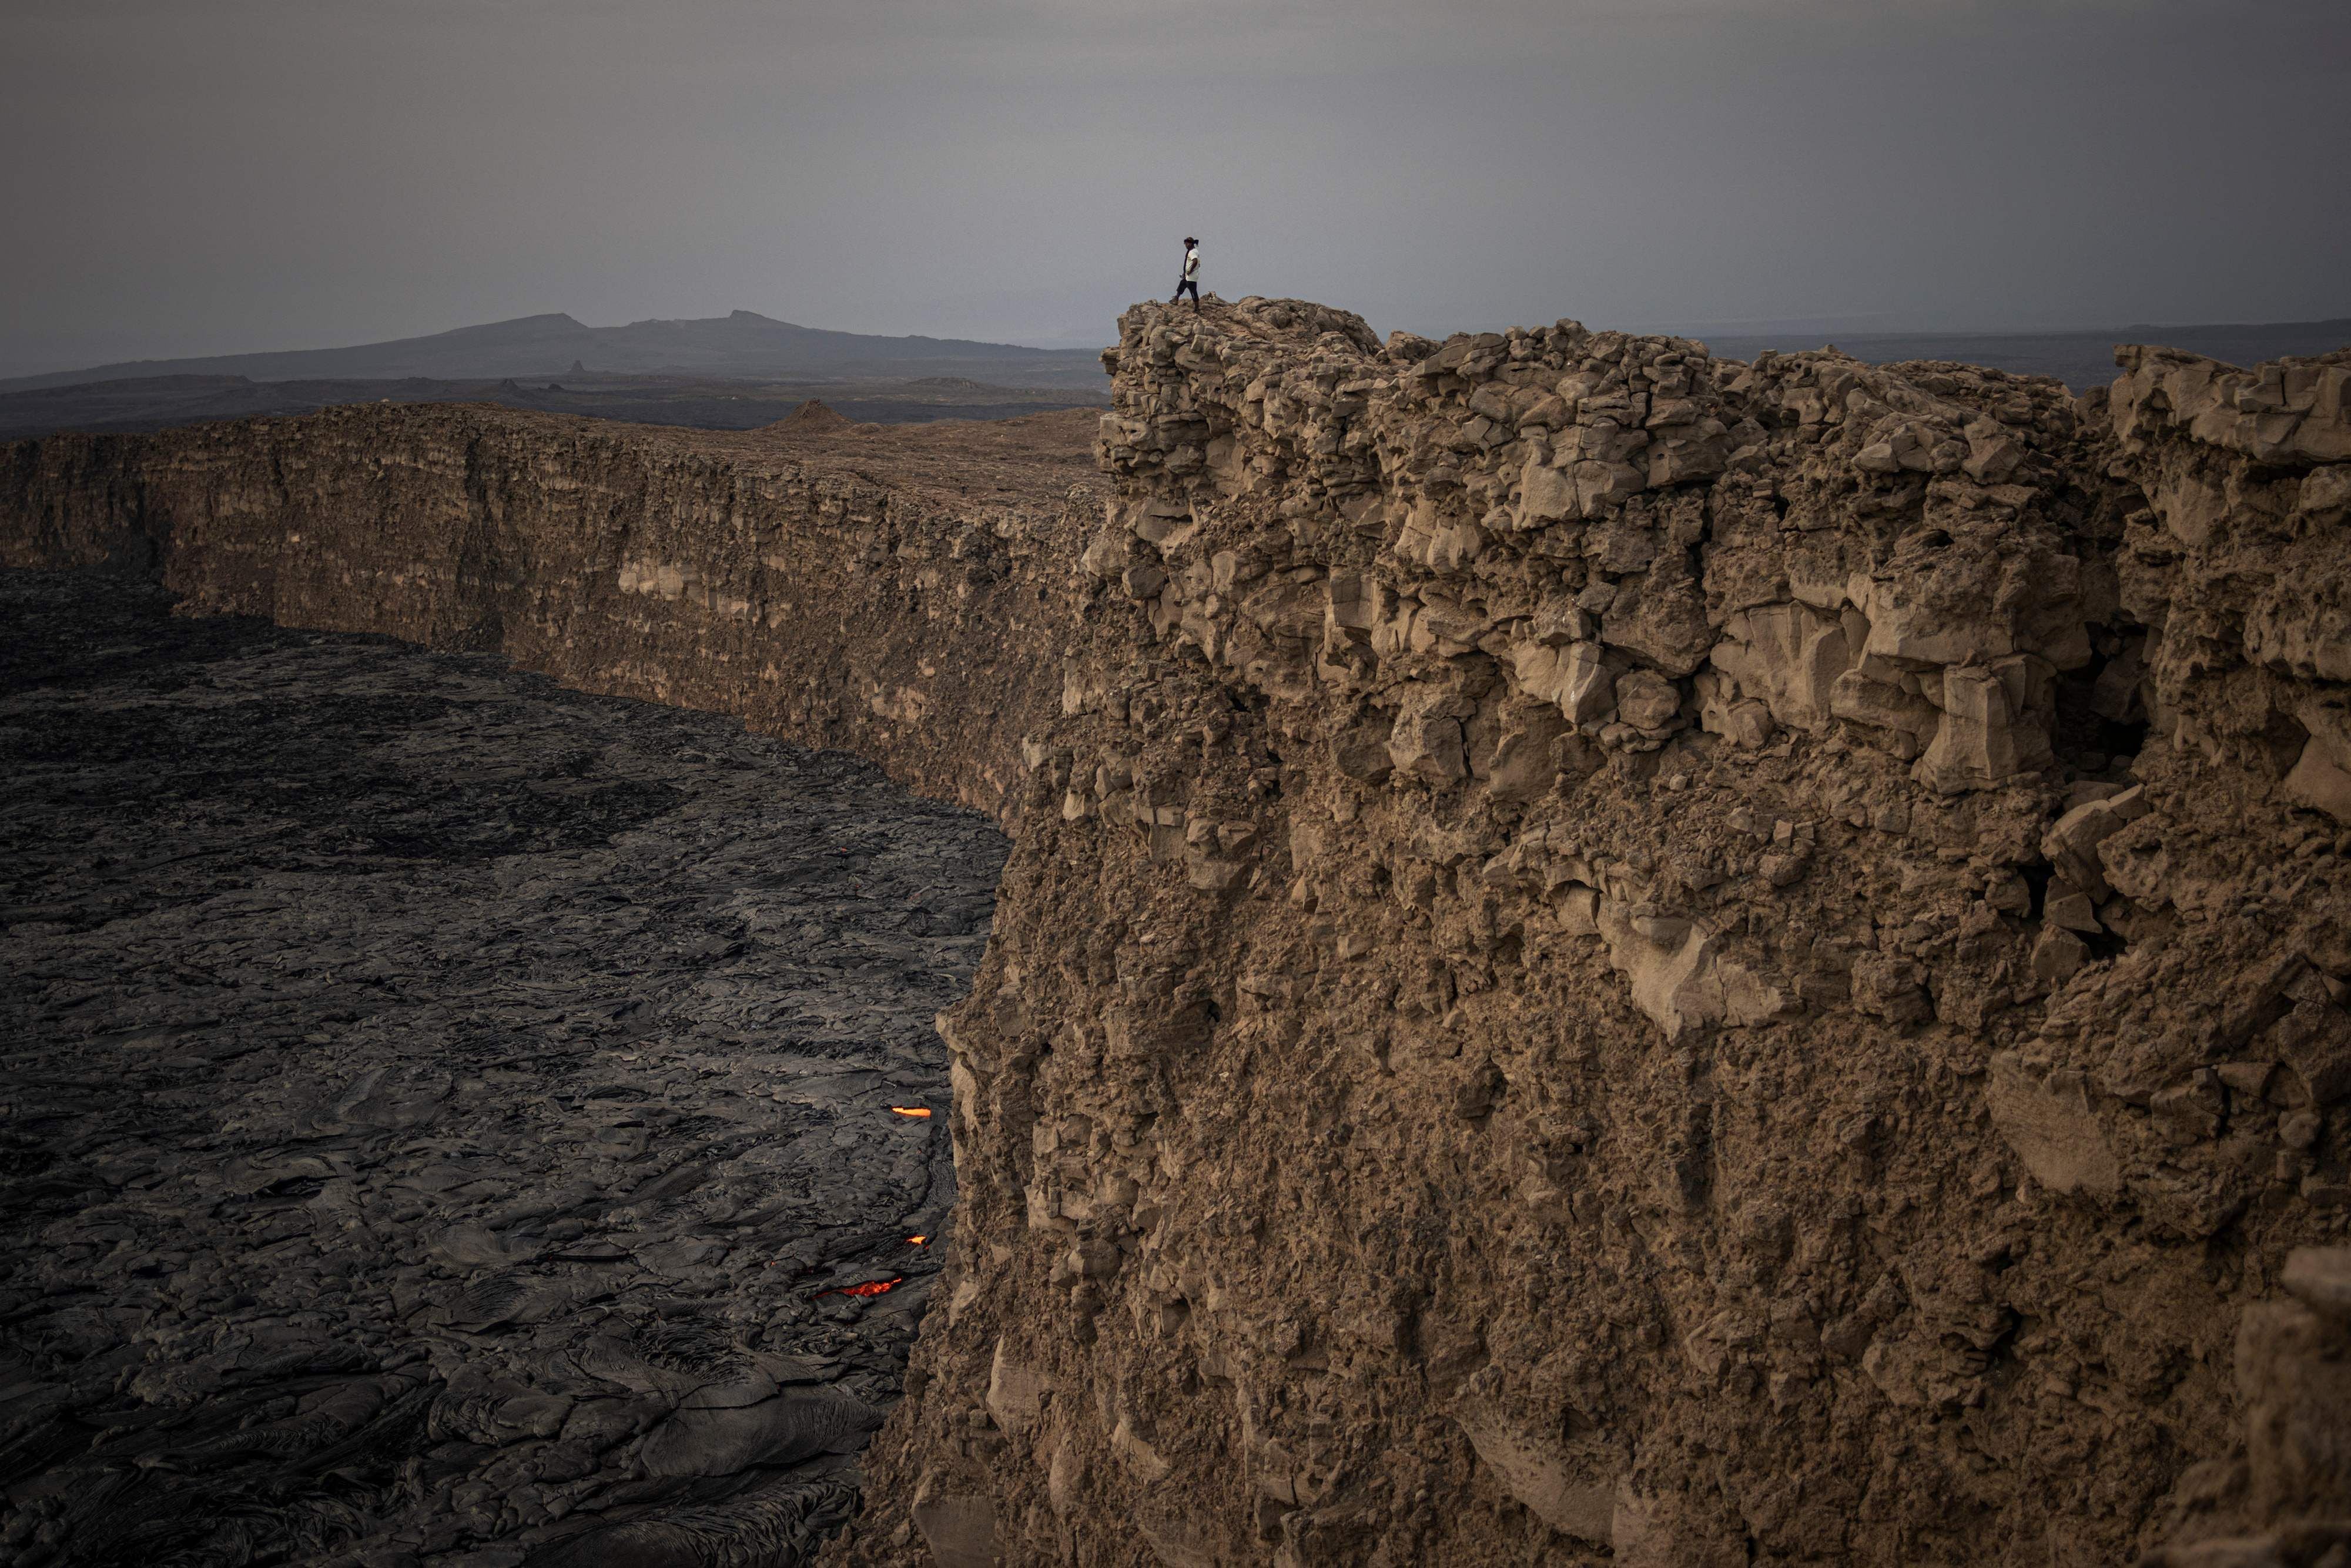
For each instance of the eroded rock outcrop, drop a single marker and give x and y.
(1605, 952)
(1675, 971)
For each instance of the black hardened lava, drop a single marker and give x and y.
(443, 1118)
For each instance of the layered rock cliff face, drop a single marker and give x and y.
(878, 591)
(1606, 953)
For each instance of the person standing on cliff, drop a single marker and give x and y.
(1191, 276)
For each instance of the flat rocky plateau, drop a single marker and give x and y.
(443, 1118)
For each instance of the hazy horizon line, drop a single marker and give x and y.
(1876, 324)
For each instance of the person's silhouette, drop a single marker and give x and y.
(1190, 280)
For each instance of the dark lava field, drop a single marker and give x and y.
(446, 1118)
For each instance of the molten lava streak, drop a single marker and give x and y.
(871, 1286)
(919, 1111)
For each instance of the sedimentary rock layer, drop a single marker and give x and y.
(874, 590)
(1607, 952)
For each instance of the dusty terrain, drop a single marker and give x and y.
(442, 1109)
(156, 402)
(1608, 954)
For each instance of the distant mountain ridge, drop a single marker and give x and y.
(744, 344)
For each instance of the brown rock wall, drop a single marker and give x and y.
(1669, 973)
(749, 574)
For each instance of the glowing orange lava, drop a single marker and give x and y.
(918, 1241)
(922, 1111)
(871, 1288)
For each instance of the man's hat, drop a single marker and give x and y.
(1189, 240)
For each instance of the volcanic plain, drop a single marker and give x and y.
(441, 1107)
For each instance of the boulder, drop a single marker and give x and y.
(959, 1527)
(2047, 1120)
(1426, 742)
(1646, 699)
(1575, 1495)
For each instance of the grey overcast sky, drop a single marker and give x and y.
(196, 176)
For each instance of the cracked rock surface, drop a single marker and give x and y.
(439, 1113)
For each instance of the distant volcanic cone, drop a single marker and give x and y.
(812, 416)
